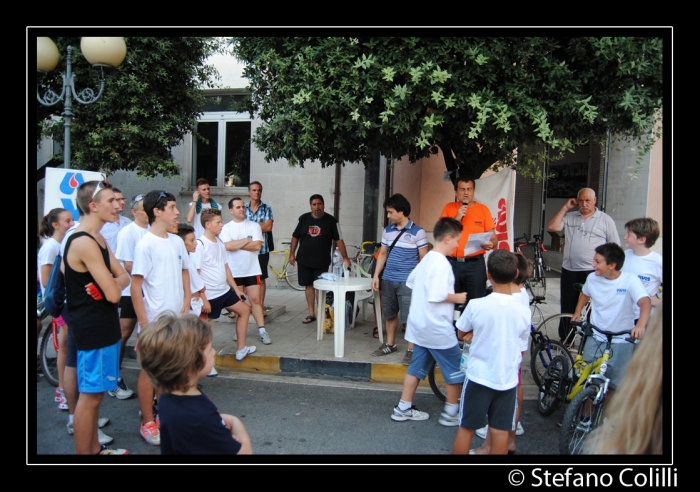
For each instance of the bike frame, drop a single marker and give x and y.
(283, 274)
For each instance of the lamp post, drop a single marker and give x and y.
(102, 53)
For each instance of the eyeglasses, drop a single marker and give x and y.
(135, 200)
(101, 185)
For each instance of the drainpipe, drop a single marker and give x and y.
(606, 163)
(336, 194)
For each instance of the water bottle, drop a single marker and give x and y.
(337, 263)
(465, 357)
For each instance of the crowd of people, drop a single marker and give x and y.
(169, 280)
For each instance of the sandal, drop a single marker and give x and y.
(308, 319)
(375, 332)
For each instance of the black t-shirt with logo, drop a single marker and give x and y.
(316, 238)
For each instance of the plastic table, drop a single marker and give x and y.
(339, 289)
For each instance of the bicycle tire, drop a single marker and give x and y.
(291, 276)
(550, 400)
(550, 328)
(438, 387)
(575, 429)
(538, 281)
(543, 355)
(49, 357)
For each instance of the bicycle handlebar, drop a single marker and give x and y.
(585, 325)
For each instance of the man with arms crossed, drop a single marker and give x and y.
(243, 239)
(94, 281)
(475, 217)
(201, 199)
(260, 212)
(314, 234)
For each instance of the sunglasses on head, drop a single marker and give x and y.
(101, 185)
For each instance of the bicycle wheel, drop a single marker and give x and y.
(550, 399)
(437, 384)
(580, 419)
(49, 357)
(292, 277)
(558, 327)
(543, 355)
(538, 281)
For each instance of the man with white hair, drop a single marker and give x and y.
(584, 230)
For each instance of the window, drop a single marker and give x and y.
(224, 160)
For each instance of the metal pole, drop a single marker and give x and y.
(67, 110)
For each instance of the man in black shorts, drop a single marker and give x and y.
(260, 212)
(314, 234)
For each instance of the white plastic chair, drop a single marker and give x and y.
(360, 296)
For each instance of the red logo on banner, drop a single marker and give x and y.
(501, 229)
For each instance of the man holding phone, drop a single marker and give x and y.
(584, 230)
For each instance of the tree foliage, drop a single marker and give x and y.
(151, 100)
(336, 99)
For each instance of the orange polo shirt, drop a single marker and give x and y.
(477, 220)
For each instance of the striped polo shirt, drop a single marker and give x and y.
(403, 258)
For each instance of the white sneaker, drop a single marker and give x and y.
(101, 422)
(265, 338)
(519, 431)
(103, 438)
(411, 414)
(122, 392)
(241, 354)
(448, 420)
(213, 373)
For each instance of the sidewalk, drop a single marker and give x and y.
(295, 350)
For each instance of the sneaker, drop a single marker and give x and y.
(411, 414)
(212, 374)
(104, 438)
(150, 432)
(101, 422)
(519, 431)
(407, 358)
(58, 395)
(63, 403)
(265, 338)
(106, 450)
(385, 349)
(449, 420)
(241, 354)
(122, 392)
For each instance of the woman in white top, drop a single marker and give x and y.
(53, 227)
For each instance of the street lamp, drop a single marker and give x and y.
(102, 53)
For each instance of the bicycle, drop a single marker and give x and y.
(537, 283)
(582, 385)
(363, 258)
(289, 271)
(48, 348)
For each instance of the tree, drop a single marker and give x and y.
(150, 102)
(336, 99)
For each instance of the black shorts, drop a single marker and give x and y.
(127, 308)
(307, 275)
(71, 348)
(479, 401)
(247, 281)
(263, 259)
(221, 302)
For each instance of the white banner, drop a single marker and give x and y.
(497, 192)
(62, 186)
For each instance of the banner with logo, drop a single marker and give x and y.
(62, 185)
(497, 192)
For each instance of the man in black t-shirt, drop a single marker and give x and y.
(314, 234)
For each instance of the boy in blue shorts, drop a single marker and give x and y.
(430, 326)
(614, 294)
(497, 327)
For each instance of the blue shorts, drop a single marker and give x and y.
(221, 302)
(98, 370)
(620, 355)
(447, 359)
(478, 401)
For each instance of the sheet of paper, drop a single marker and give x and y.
(475, 241)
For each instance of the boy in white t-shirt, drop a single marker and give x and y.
(222, 291)
(497, 327)
(613, 295)
(430, 326)
(646, 264)
(160, 283)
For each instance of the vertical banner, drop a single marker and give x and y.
(497, 192)
(62, 185)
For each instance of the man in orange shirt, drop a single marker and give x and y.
(475, 217)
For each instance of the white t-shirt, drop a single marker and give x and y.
(523, 297)
(46, 256)
(197, 221)
(110, 231)
(241, 262)
(160, 261)
(648, 269)
(613, 303)
(210, 259)
(501, 326)
(127, 240)
(430, 317)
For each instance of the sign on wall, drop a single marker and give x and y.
(62, 186)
